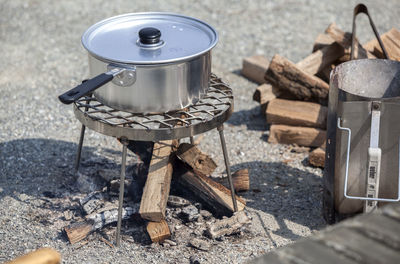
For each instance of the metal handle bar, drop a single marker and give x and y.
(347, 172)
(361, 8)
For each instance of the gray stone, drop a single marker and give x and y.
(200, 244)
(194, 260)
(190, 213)
(205, 214)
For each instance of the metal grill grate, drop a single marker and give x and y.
(207, 113)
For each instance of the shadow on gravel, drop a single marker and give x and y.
(252, 118)
(286, 193)
(44, 168)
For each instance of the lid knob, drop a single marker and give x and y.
(149, 35)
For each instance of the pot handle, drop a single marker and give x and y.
(89, 86)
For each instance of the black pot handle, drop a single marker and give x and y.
(87, 87)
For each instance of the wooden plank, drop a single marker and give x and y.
(241, 180)
(286, 76)
(322, 41)
(344, 39)
(254, 68)
(216, 197)
(317, 157)
(391, 41)
(200, 162)
(158, 231)
(302, 136)
(40, 256)
(321, 58)
(156, 189)
(296, 113)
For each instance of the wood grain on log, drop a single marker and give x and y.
(322, 41)
(97, 220)
(241, 180)
(344, 39)
(302, 136)
(263, 94)
(296, 113)
(40, 256)
(391, 41)
(228, 226)
(254, 68)
(321, 58)
(286, 76)
(200, 162)
(214, 195)
(156, 189)
(158, 231)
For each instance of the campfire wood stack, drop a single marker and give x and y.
(294, 96)
(186, 167)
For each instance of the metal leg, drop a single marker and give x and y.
(227, 165)
(192, 140)
(124, 142)
(78, 154)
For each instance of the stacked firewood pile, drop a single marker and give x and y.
(169, 191)
(294, 96)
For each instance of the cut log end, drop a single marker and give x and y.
(241, 180)
(158, 231)
(302, 136)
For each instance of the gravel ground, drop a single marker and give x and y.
(42, 57)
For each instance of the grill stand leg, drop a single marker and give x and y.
(192, 140)
(78, 154)
(227, 165)
(124, 142)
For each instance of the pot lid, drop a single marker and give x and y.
(149, 38)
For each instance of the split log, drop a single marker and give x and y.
(296, 113)
(228, 226)
(322, 41)
(216, 197)
(40, 256)
(158, 231)
(241, 180)
(156, 189)
(321, 58)
(254, 68)
(344, 39)
(391, 41)
(263, 94)
(97, 220)
(302, 136)
(286, 76)
(200, 162)
(317, 157)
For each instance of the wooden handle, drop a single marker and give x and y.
(40, 256)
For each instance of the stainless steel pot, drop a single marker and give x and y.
(147, 62)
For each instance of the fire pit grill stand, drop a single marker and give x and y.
(208, 113)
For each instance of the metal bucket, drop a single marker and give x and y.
(363, 136)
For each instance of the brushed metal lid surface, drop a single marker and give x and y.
(163, 38)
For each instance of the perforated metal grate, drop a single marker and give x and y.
(209, 111)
